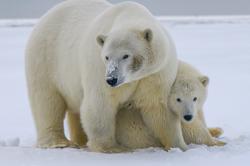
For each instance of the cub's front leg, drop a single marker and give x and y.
(196, 132)
(165, 125)
(98, 115)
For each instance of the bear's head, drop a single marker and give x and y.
(187, 96)
(130, 55)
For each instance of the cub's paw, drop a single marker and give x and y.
(216, 131)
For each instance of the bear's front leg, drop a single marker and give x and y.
(48, 108)
(165, 125)
(98, 119)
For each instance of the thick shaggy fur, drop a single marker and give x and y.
(80, 44)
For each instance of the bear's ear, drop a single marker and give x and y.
(204, 80)
(148, 35)
(101, 39)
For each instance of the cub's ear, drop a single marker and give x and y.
(101, 39)
(148, 35)
(204, 80)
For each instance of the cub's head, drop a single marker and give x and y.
(128, 55)
(188, 96)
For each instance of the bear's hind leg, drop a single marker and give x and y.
(77, 134)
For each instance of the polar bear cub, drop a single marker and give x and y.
(186, 100)
(187, 97)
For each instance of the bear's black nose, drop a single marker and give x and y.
(188, 117)
(112, 81)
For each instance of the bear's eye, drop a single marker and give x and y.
(195, 98)
(125, 56)
(178, 100)
(107, 58)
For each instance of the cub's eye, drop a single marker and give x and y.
(125, 56)
(195, 99)
(178, 100)
(107, 58)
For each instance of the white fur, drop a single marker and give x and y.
(66, 70)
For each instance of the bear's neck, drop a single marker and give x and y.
(160, 83)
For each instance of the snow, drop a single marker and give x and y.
(10, 142)
(220, 48)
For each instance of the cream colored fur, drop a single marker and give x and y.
(75, 129)
(67, 68)
(132, 132)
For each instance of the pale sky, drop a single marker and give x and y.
(36, 8)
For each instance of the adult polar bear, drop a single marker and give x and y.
(80, 47)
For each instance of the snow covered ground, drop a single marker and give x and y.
(219, 48)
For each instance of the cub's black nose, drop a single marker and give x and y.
(188, 117)
(112, 81)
